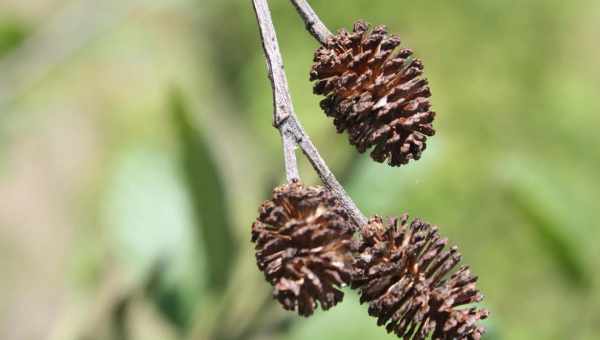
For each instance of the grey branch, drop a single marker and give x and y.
(314, 25)
(289, 154)
(282, 101)
(285, 120)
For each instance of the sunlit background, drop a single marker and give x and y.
(136, 145)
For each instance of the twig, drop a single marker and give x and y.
(285, 119)
(289, 155)
(314, 25)
(311, 152)
(282, 101)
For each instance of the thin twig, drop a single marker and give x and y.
(327, 177)
(284, 117)
(282, 101)
(289, 155)
(314, 25)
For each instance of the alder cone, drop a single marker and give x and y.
(375, 92)
(404, 273)
(303, 240)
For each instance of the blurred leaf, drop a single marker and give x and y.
(12, 34)
(552, 237)
(119, 318)
(168, 298)
(150, 221)
(207, 193)
(348, 321)
(148, 215)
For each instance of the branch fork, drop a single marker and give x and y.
(284, 117)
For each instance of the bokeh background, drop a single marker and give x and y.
(136, 146)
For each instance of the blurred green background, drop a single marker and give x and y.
(136, 146)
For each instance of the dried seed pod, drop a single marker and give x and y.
(303, 240)
(403, 272)
(375, 92)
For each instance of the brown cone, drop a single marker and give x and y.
(375, 92)
(303, 240)
(403, 272)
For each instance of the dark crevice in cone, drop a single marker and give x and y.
(303, 240)
(375, 92)
(407, 276)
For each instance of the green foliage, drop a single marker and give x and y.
(207, 194)
(169, 299)
(12, 34)
(511, 176)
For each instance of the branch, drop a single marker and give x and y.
(285, 120)
(327, 177)
(289, 155)
(314, 25)
(282, 101)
